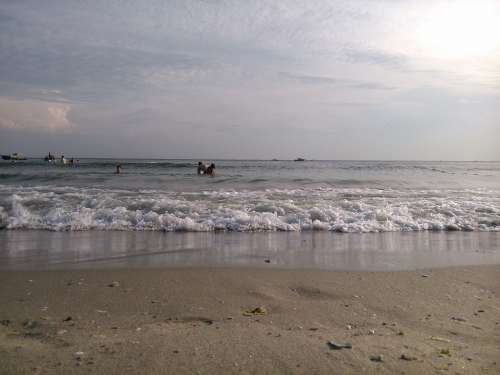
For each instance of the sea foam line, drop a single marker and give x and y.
(331, 209)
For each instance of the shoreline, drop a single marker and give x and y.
(387, 251)
(200, 320)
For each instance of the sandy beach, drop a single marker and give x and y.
(247, 320)
(250, 187)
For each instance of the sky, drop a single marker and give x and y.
(388, 79)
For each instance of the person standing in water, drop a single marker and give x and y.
(119, 169)
(202, 168)
(210, 170)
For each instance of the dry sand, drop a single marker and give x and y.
(179, 321)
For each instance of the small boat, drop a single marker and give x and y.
(14, 156)
(300, 159)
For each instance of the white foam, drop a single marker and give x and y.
(342, 210)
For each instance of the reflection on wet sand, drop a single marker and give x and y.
(324, 250)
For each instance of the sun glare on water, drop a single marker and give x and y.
(461, 30)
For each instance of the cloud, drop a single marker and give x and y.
(340, 82)
(375, 56)
(226, 70)
(34, 115)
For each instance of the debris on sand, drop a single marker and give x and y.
(458, 319)
(437, 338)
(114, 284)
(261, 310)
(67, 319)
(444, 351)
(407, 357)
(377, 358)
(5, 322)
(335, 345)
(191, 319)
(78, 355)
(30, 324)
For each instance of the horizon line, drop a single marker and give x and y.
(273, 159)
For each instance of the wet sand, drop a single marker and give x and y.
(388, 251)
(200, 320)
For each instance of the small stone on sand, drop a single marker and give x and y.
(261, 310)
(407, 357)
(30, 324)
(78, 355)
(377, 358)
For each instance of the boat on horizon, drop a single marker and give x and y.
(300, 159)
(14, 156)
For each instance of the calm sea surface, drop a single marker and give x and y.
(249, 196)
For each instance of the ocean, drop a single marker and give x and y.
(251, 196)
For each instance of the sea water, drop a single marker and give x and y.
(250, 196)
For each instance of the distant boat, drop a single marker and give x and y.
(300, 159)
(14, 156)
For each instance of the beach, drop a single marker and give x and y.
(250, 320)
(329, 267)
(241, 187)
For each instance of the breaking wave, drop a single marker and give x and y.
(329, 209)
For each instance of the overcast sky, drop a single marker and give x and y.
(251, 79)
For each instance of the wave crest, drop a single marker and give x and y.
(331, 209)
